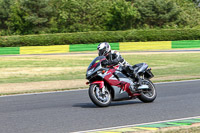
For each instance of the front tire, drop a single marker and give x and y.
(97, 97)
(148, 95)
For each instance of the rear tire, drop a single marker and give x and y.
(99, 99)
(148, 95)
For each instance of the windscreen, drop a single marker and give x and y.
(96, 62)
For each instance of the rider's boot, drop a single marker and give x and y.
(137, 77)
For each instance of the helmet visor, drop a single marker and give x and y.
(101, 52)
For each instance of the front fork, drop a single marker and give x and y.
(100, 84)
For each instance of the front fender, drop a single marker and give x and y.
(99, 83)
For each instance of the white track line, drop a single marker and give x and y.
(177, 81)
(103, 129)
(41, 93)
(86, 89)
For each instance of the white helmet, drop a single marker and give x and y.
(103, 48)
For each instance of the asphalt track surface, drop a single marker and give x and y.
(71, 111)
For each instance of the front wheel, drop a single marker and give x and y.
(148, 95)
(97, 97)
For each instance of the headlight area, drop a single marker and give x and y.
(94, 77)
(90, 72)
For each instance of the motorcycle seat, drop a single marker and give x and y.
(137, 67)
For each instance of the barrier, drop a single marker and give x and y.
(186, 44)
(90, 47)
(44, 49)
(9, 50)
(124, 46)
(156, 45)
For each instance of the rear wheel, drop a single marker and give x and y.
(148, 95)
(97, 96)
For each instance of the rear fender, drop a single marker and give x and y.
(148, 74)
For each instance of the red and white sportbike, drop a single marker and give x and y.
(110, 84)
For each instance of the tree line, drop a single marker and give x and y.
(21, 17)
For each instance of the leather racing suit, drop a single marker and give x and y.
(114, 58)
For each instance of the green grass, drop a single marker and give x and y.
(42, 68)
(166, 66)
(170, 65)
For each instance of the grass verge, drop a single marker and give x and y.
(39, 73)
(186, 129)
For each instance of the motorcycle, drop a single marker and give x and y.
(110, 83)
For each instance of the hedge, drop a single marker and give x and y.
(100, 36)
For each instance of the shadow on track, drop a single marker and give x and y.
(85, 105)
(117, 103)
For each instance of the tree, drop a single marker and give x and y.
(16, 22)
(53, 16)
(4, 13)
(37, 15)
(190, 13)
(197, 2)
(158, 12)
(122, 15)
(83, 15)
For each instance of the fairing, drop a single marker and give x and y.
(94, 66)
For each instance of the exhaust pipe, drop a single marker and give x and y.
(143, 87)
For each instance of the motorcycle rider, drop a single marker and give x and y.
(113, 58)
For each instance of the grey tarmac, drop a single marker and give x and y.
(72, 111)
